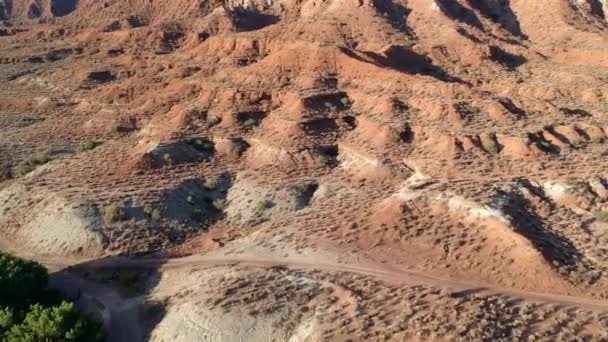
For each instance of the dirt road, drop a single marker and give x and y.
(121, 315)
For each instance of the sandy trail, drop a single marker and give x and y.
(122, 318)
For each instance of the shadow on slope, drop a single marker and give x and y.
(405, 60)
(115, 290)
(500, 13)
(250, 20)
(455, 11)
(526, 221)
(60, 8)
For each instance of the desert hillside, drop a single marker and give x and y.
(312, 170)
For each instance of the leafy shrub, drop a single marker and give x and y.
(19, 279)
(56, 323)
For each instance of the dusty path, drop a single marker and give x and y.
(380, 272)
(121, 315)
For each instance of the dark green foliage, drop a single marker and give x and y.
(56, 323)
(21, 282)
(31, 312)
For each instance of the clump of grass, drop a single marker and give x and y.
(202, 145)
(87, 145)
(346, 101)
(27, 166)
(345, 84)
(113, 213)
(210, 184)
(262, 205)
(490, 145)
(601, 216)
(190, 199)
(396, 135)
(153, 213)
(167, 160)
(249, 123)
(219, 204)
(22, 169)
(212, 121)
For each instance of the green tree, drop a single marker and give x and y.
(7, 320)
(22, 282)
(29, 311)
(55, 324)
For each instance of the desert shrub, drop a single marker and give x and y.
(213, 120)
(263, 205)
(249, 123)
(23, 168)
(210, 184)
(346, 101)
(87, 145)
(219, 204)
(601, 216)
(167, 159)
(29, 311)
(202, 145)
(395, 135)
(153, 213)
(113, 213)
(156, 215)
(27, 166)
(491, 146)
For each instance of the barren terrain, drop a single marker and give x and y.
(312, 170)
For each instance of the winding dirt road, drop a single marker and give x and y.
(121, 315)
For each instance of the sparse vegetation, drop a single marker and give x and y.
(202, 145)
(396, 136)
(210, 184)
(249, 123)
(87, 145)
(346, 101)
(167, 159)
(213, 121)
(262, 205)
(113, 213)
(190, 199)
(219, 204)
(490, 146)
(27, 166)
(601, 216)
(153, 214)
